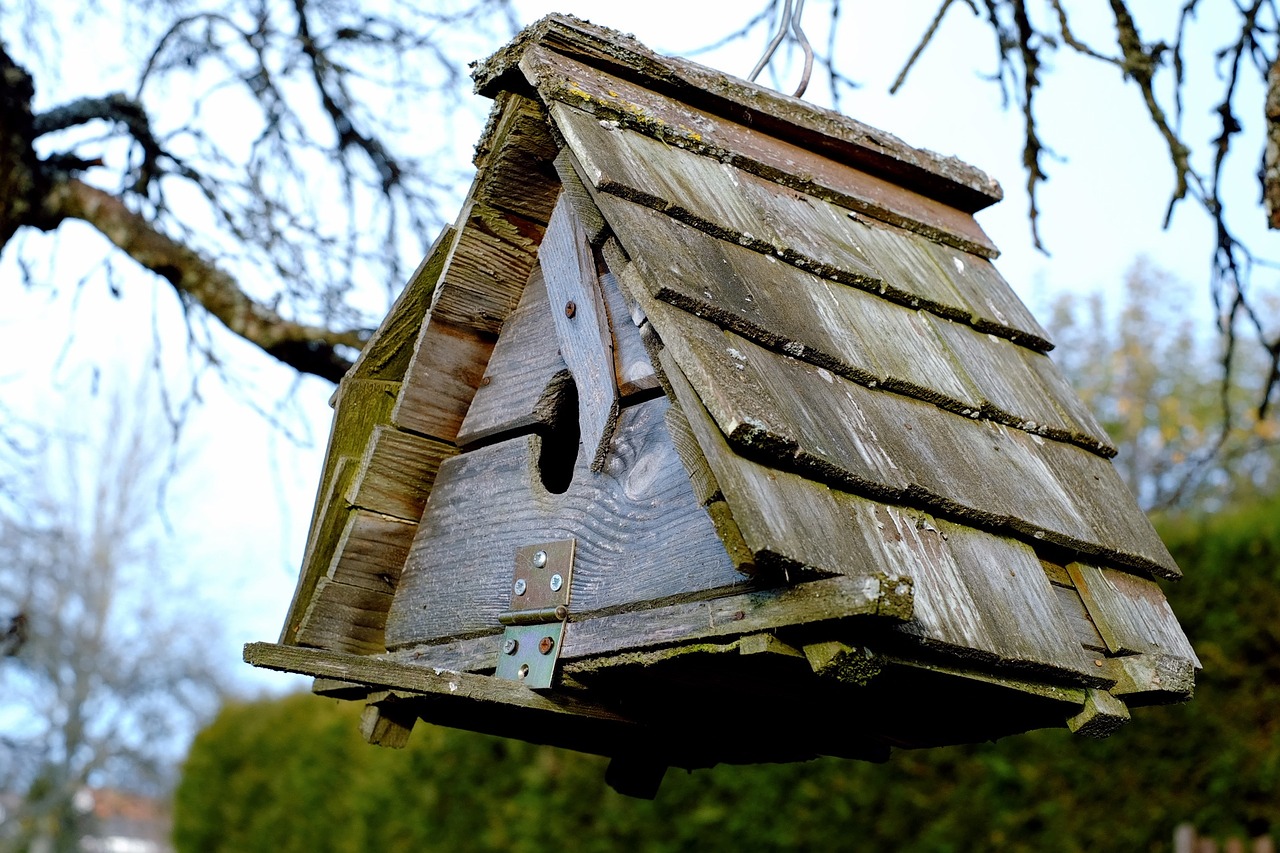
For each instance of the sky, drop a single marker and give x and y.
(238, 528)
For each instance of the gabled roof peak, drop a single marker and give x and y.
(942, 178)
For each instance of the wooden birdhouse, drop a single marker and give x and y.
(711, 434)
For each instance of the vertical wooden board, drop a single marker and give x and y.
(705, 487)
(441, 381)
(345, 618)
(397, 472)
(633, 371)
(372, 551)
(525, 360)
(582, 326)
(1131, 613)
(993, 300)
(387, 354)
(641, 535)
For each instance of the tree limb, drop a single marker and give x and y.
(308, 349)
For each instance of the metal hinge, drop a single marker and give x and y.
(538, 613)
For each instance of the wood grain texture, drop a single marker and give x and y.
(641, 535)
(582, 327)
(372, 551)
(359, 406)
(397, 472)
(525, 360)
(441, 381)
(1131, 613)
(387, 354)
(486, 271)
(632, 369)
(345, 618)
(981, 595)
(618, 102)
(515, 159)
(1082, 627)
(471, 693)
(902, 450)
(838, 135)
(1153, 679)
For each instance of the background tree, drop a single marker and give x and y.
(106, 676)
(1187, 439)
(245, 124)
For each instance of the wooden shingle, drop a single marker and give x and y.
(741, 373)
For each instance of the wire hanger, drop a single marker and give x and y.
(790, 20)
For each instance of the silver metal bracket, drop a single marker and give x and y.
(539, 609)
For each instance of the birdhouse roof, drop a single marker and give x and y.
(846, 372)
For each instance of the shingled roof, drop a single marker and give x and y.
(804, 312)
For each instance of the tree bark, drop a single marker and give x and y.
(37, 194)
(1271, 157)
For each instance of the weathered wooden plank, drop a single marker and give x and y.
(372, 551)
(581, 198)
(855, 334)
(467, 692)
(705, 487)
(582, 327)
(486, 271)
(448, 364)
(641, 534)
(359, 406)
(1101, 716)
(813, 604)
(1059, 390)
(974, 592)
(397, 472)
(1131, 613)
(345, 618)
(1014, 394)
(387, 354)
(326, 531)
(995, 305)
(839, 136)
(1082, 627)
(525, 360)
(515, 159)
(632, 369)
(1153, 679)
(614, 100)
(899, 449)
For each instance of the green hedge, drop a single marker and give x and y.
(293, 774)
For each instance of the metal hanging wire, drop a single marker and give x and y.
(789, 20)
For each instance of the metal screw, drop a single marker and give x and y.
(539, 559)
(545, 645)
(570, 308)
(556, 583)
(523, 672)
(510, 645)
(520, 586)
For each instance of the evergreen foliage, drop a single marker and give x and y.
(293, 774)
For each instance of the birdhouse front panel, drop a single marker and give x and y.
(718, 401)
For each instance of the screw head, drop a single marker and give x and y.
(556, 583)
(539, 559)
(545, 645)
(510, 645)
(570, 308)
(520, 586)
